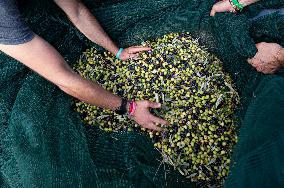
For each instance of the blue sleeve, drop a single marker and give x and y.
(12, 28)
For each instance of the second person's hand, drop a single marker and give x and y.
(267, 59)
(225, 6)
(221, 6)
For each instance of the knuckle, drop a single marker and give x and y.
(147, 103)
(261, 44)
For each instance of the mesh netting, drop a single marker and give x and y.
(43, 141)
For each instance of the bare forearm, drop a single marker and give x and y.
(46, 61)
(85, 21)
(90, 92)
(91, 28)
(248, 2)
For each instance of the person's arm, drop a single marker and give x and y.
(41, 57)
(85, 21)
(247, 2)
(46, 61)
(225, 6)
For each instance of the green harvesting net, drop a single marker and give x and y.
(198, 101)
(44, 143)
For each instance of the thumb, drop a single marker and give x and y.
(249, 60)
(213, 12)
(133, 56)
(153, 104)
(136, 49)
(257, 45)
(260, 44)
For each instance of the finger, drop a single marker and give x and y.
(268, 71)
(256, 63)
(273, 65)
(259, 68)
(140, 47)
(134, 50)
(133, 56)
(270, 67)
(258, 45)
(213, 12)
(159, 120)
(153, 104)
(153, 127)
(274, 71)
(265, 70)
(250, 61)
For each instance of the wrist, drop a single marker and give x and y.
(247, 2)
(118, 54)
(280, 56)
(132, 108)
(122, 109)
(115, 50)
(128, 107)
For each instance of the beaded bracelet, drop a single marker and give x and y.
(234, 8)
(132, 108)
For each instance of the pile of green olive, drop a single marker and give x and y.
(197, 97)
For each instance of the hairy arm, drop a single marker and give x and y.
(83, 19)
(41, 57)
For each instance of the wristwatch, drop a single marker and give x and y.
(123, 107)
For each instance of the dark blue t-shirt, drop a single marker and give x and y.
(12, 28)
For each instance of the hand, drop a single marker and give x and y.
(221, 6)
(132, 52)
(225, 6)
(143, 117)
(266, 60)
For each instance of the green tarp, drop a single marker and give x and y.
(44, 143)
